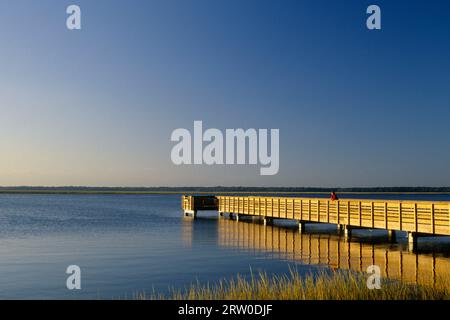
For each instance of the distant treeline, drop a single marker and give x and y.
(223, 189)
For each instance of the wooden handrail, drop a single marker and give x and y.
(429, 217)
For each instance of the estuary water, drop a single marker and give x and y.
(126, 245)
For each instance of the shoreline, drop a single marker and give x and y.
(181, 192)
(334, 285)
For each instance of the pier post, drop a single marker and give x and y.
(347, 231)
(190, 213)
(267, 221)
(237, 217)
(391, 236)
(412, 241)
(301, 226)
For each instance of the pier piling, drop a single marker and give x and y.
(301, 226)
(392, 236)
(347, 231)
(267, 221)
(412, 241)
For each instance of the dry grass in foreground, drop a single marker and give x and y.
(325, 286)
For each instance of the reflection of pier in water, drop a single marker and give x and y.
(334, 252)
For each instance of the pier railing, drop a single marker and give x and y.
(426, 217)
(187, 203)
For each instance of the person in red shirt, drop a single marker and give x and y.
(333, 196)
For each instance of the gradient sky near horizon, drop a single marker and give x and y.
(96, 107)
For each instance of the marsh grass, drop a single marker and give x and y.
(333, 285)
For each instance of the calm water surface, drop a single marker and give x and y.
(128, 244)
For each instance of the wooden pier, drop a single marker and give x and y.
(417, 218)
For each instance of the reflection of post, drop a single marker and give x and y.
(293, 247)
(238, 242)
(254, 236)
(361, 258)
(286, 239)
(434, 270)
(318, 250)
(271, 238)
(265, 237)
(417, 268)
(349, 264)
(309, 249)
(401, 265)
(373, 255)
(186, 232)
(386, 262)
(300, 239)
(338, 254)
(279, 237)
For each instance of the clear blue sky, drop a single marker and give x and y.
(97, 106)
